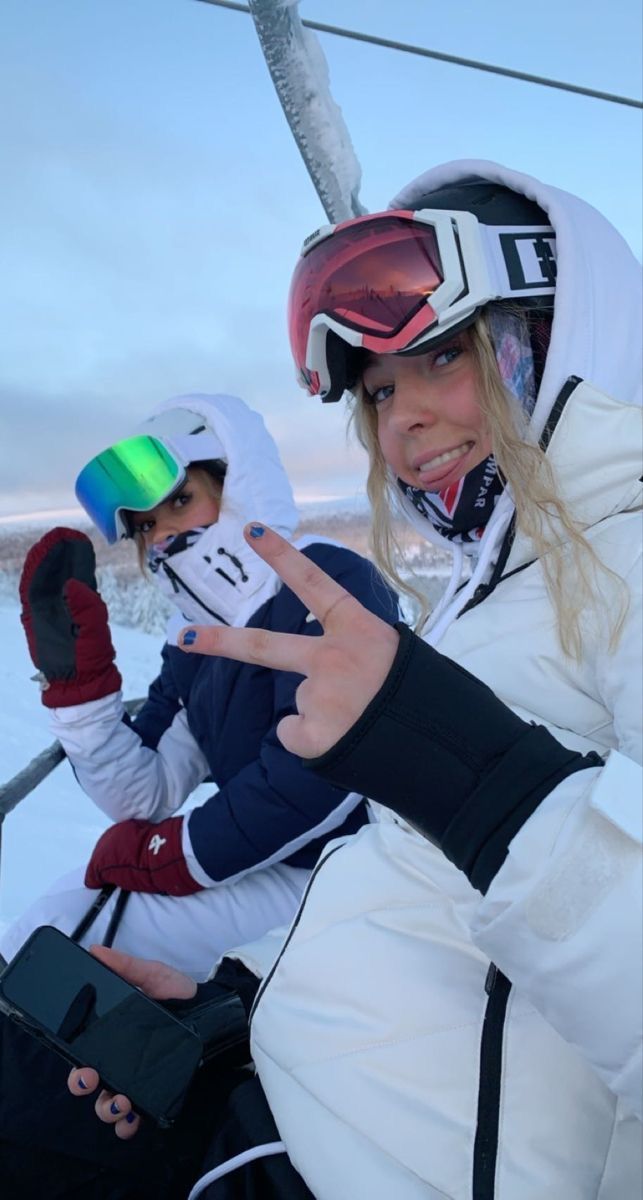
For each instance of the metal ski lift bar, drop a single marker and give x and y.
(300, 75)
(15, 790)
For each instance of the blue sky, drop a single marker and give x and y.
(153, 201)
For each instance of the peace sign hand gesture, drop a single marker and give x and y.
(343, 669)
(467, 785)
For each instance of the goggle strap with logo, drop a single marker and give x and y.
(479, 263)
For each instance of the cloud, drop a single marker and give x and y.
(48, 434)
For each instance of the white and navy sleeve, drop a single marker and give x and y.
(145, 768)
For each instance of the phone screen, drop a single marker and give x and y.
(95, 1018)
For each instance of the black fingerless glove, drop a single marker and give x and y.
(437, 747)
(219, 1011)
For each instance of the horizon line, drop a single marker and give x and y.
(43, 514)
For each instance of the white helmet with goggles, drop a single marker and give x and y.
(142, 471)
(399, 282)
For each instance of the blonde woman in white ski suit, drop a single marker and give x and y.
(456, 1010)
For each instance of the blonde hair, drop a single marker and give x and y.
(569, 563)
(212, 484)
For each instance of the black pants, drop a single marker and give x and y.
(53, 1147)
(248, 1121)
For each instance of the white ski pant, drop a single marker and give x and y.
(187, 932)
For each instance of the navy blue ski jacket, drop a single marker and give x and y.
(268, 807)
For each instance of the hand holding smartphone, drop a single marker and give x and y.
(92, 1017)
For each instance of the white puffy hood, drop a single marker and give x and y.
(596, 336)
(220, 579)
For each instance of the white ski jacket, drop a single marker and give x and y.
(398, 1059)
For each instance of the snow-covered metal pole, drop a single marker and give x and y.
(39, 768)
(299, 73)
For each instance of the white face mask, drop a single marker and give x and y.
(211, 575)
(158, 552)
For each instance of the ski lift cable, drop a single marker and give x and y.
(457, 60)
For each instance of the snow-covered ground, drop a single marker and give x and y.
(54, 828)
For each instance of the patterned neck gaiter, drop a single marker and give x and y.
(461, 511)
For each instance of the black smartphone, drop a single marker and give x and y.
(79, 1007)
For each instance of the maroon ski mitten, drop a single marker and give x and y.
(140, 856)
(66, 621)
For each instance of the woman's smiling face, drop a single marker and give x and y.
(430, 427)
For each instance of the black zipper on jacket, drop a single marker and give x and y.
(485, 1150)
(497, 986)
(264, 983)
(497, 576)
(177, 584)
(557, 409)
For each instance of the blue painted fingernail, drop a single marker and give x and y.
(189, 637)
(257, 531)
(130, 1118)
(81, 1083)
(113, 1108)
